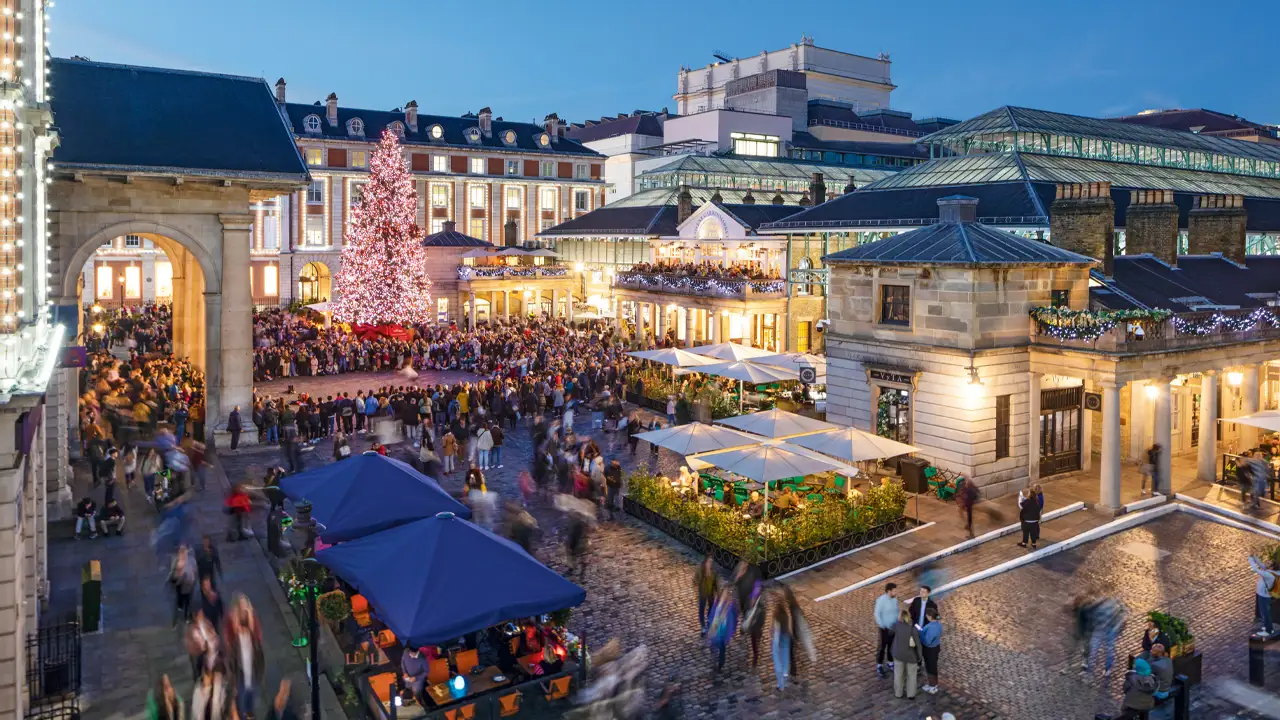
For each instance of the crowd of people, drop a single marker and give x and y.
(739, 270)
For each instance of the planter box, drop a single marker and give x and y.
(1189, 665)
(774, 566)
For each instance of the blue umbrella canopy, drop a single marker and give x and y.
(437, 579)
(367, 494)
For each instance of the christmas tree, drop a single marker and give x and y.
(383, 277)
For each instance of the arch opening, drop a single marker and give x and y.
(315, 283)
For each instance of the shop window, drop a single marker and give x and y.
(1002, 426)
(803, 330)
(270, 280)
(895, 305)
(442, 310)
(1060, 298)
(102, 281)
(893, 414)
(164, 279)
(133, 282)
(440, 196)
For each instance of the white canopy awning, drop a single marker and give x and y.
(852, 445)
(1267, 420)
(697, 438)
(731, 351)
(777, 423)
(673, 356)
(794, 361)
(767, 463)
(747, 372)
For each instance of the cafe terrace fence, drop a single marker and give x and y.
(774, 566)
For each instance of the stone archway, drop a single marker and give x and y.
(315, 283)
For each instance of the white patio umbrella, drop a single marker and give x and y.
(474, 254)
(766, 464)
(794, 361)
(543, 252)
(777, 423)
(697, 438)
(747, 372)
(852, 445)
(731, 351)
(320, 306)
(1267, 420)
(673, 356)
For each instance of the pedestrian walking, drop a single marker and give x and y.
(448, 451)
(966, 498)
(930, 649)
(723, 624)
(183, 579)
(907, 656)
(753, 621)
(163, 703)
(1029, 510)
(707, 583)
(1107, 621)
(782, 643)
(613, 487)
(886, 617)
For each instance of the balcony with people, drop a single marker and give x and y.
(736, 280)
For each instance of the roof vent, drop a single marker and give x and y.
(957, 209)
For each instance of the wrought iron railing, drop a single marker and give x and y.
(498, 272)
(724, 287)
(53, 672)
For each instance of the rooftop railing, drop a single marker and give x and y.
(1182, 331)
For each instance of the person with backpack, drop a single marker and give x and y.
(1139, 690)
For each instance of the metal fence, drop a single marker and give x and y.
(53, 672)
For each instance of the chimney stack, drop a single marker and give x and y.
(958, 209)
(486, 122)
(1216, 223)
(331, 106)
(411, 116)
(778, 199)
(748, 199)
(849, 186)
(1082, 219)
(509, 233)
(551, 124)
(1151, 225)
(449, 225)
(805, 201)
(280, 91)
(684, 204)
(717, 198)
(818, 189)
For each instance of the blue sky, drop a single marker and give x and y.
(526, 58)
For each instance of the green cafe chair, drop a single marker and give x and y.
(719, 494)
(816, 498)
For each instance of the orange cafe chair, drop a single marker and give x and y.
(437, 671)
(509, 704)
(382, 685)
(386, 639)
(515, 645)
(466, 712)
(467, 660)
(557, 688)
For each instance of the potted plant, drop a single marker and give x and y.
(333, 607)
(1186, 659)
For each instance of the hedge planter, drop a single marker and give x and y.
(774, 566)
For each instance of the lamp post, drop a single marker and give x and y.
(121, 292)
(313, 634)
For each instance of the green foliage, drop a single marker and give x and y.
(1174, 627)
(333, 606)
(727, 527)
(1272, 555)
(561, 617)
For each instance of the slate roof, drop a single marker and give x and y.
(148, 119)
(1141, 281)
(453, 238)
(660, 218)
(638, 123)
(375, 121)
(807, 141)
(958, 243)
(826, 110)
(1209, 121)
(779, 169)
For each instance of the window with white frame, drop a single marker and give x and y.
(476, 228)
(582, 171)
(315, 157)
(397, 129)
(440, 196)
(755, 144)
(437, 225)
(548, 168)
(312, 124)
(581, 199)
(132, 241)
(514, 195)
(270, 280)
(440, 163)
(477, 166)
(313, 236)
(270, 231)
(548, 199)
(359, 159)
(356, 126)
(357, 194)
(513, 167)
(315, 191)
(547, 224)
(476, 194)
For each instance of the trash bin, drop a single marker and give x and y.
(912, 471)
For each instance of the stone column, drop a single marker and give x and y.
(1109, 492)
(568, 306)
(216, 391)
(471, 310)
(1248, 406)
(660, 323)
(642, 323)
(1086, 437)
(555, 302)
(1139, 414)
(537, 301)
(1033, 427)
(780, 332)
(493, 308)
(1207, 451)
(716, 329)
(236, 351)
(689, 326)
(177, 299)
(1162, 429)
(506, 305)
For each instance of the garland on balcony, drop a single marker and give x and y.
(1067, 324)
(1218, 323)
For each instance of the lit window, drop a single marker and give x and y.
(895, 305)
(314, 235)
(547, 224)
(513, 167)
(476, 228)
(548, 168)
(476, 192)
(312, 123)
(164, 279)
(315, 157)
(439, 196)
(581, 198)
(437, 132)
(132, 241)
(755, 144)
(437, 225)
(315, 191)
(359, 159)
(582, 171)
(133, 282)
(477, 166)
(442, 309)
(439, 163)
(548, 198)
(103, 280)
(357, 194)
(513, 198)
(270, 280)
(509, 137)
(355, 127)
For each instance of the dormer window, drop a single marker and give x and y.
(509, 137)
(397, 129)
(437, 132)
(544, 140)
(355, 127)
(473, 135)
(312, 123)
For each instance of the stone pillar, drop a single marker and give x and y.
(1033, 427)
(537, 301)
(717, 336)
(1207, 451)
(1216, 223)
(1151, 225)
(1139, 414)
(493, 308)
(471, 310)
(780, 332)
(506, 305)
(1109, 492)
(690, 320)
(178, 299)
(568, 306)
(236, 345)
(642, 323)
(1086, 437)
(1083, 220)
(216, 391)
(1162, 425)
(555, 302)
(1248, 406)
(14, 609)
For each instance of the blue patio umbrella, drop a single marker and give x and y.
(434, 580)
(367, 494)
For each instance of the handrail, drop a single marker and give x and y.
(845, 124)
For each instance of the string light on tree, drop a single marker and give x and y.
(383, 277)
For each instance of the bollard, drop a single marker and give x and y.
(1181, 698)
(1257, 652)
(91, 596)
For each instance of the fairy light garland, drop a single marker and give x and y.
(689, 284)
(1068, 324)
(1219, 323)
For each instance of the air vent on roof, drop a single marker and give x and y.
(1195, 129)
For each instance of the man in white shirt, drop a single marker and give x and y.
(886, 616)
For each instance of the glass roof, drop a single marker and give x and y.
(701, 196)
(769, 168)
(1003, 167)
(1016, 119)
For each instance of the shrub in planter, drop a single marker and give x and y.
(334, 607)
(1175, 628)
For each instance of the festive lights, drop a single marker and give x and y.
(693, 285)
(1067, 324)
(1219, 322)
(383, 278)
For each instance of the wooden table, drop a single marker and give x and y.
(476, 684)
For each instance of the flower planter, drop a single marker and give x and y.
(1189, 665)
(774, 566)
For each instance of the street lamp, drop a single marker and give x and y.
(121, 292)
(313, 632)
